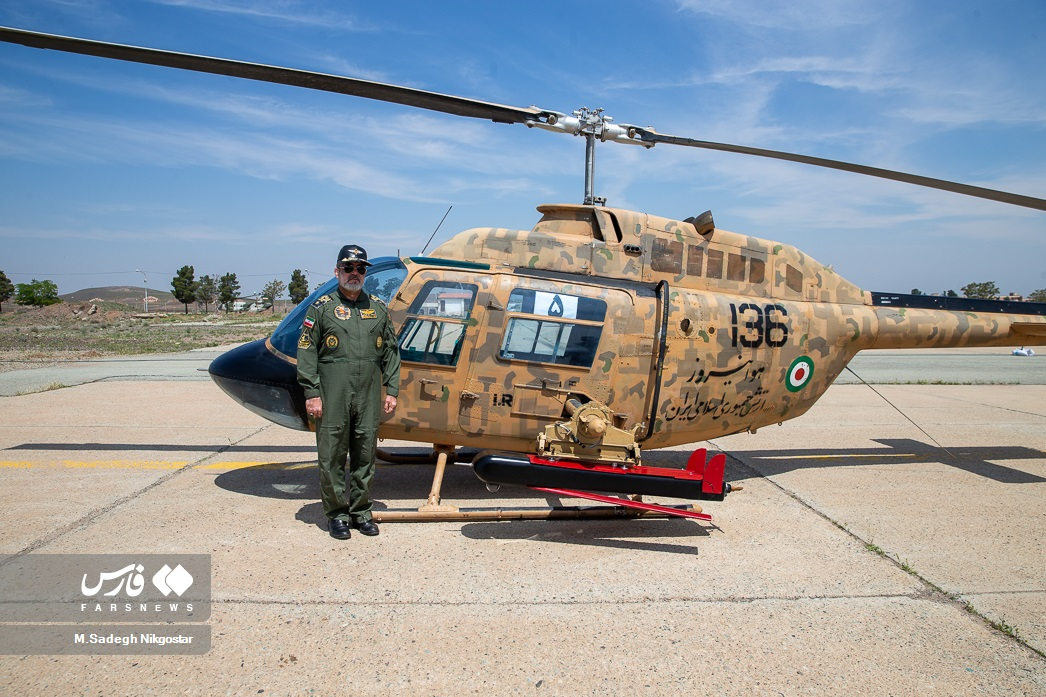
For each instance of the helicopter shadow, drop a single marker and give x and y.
(632, 534)
(402, 484)
(980, 461)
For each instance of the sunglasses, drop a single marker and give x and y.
(358, 268)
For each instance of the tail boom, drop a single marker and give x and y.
(912, 321)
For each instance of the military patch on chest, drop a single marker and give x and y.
(331, 341)
(377, 342)
(368, 314)
(303, 341)
(342, 312)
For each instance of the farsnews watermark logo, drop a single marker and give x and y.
(105, 603)
(170, 587)
(166, 580)
(122, 588)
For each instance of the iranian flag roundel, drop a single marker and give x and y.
(799, 373)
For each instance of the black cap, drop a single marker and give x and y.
(353, 253)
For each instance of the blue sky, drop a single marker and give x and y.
(107, 167)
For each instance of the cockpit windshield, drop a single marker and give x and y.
(383, 280)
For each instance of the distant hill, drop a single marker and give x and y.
(129, 295)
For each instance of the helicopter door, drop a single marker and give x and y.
(541, 344)
(435, 343)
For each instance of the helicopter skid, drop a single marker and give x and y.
(620, 510)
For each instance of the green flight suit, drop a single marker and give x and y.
(346, 353)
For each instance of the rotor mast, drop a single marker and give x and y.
(590, 172)
(594, 125)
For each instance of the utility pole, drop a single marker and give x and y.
(145, 301)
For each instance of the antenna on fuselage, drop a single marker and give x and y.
(434, 232)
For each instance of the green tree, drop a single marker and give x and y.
(37, 293)
(988, 290)
(184, 285)
(950, 294)
(385, 290)
(206, 291)
(228, 288)
(1038, 296)
(299, 287)
(272, 290)
(916, 291)
(7, 289)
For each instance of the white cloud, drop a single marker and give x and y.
(280, 10)
(809, 16)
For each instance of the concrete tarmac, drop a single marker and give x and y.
(861, 557)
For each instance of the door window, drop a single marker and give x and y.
(546, 337)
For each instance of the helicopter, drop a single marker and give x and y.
(563, 352)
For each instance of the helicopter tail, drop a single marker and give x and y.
(922, 321)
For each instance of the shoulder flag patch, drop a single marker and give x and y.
(309, 322)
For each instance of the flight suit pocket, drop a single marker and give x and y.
(374, 335)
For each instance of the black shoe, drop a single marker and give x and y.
(339, 529)
(367, 527)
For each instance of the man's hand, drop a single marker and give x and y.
(390, 404)
(314, 407)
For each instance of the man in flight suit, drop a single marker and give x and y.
(346, 353)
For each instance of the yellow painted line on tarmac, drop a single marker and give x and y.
(95, 464)
(264, 465)
(147, 464)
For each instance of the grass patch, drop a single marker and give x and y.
(1005, 628)
(122, 334)
(46, 388)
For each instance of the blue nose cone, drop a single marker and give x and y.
(263, 382)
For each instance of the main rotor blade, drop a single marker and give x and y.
(648, 135)
(462, 106)
(448, 104)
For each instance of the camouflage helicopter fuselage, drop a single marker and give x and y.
(683, 331)
(602, 332)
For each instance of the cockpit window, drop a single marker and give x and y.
(383, 280)
(436, 323)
